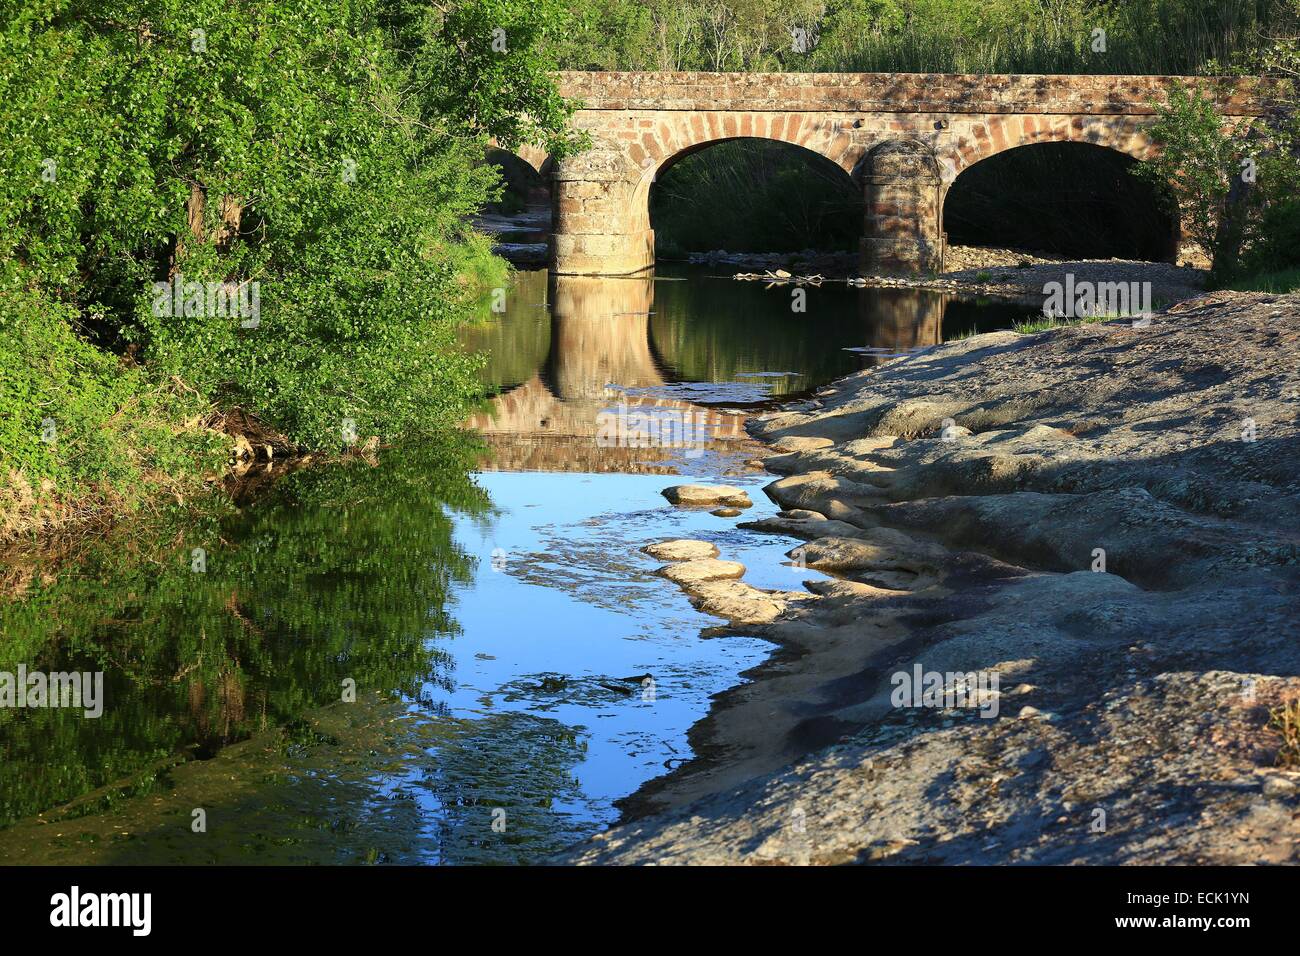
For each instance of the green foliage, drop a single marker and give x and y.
(77, 422)
(1195, 169)
(1059, 36)
(346, 573)
(1276, 248)
(480, 66)
(606, 35)
(920, 36)
(516, 344)
(326, 150)
(1288, 280)
(1235, 186)
(1030, 326)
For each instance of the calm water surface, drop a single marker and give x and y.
(517, 666)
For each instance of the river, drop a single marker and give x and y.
(455, 655)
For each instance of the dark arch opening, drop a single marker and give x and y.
(754, 195)
(1068, 199)
(523, 185)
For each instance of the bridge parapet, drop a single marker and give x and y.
(907, 92)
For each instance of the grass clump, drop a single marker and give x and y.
(1045, 324)
(81, 430)
(1285, 280)
(1286, 721)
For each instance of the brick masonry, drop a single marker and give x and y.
(904, 137)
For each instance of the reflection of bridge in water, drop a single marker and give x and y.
(600, 349)
(896, 324)
(596, 403)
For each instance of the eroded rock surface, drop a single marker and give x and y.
(687, 573)
(1104, 521)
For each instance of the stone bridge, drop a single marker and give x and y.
(903, 137)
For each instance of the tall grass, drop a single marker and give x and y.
(1143, 37)
(1287, 280)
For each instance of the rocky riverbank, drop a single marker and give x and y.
(974, 271)
(1092, 537)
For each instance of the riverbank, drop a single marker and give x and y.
(161, 461)
(1099, 524)
(97, 436)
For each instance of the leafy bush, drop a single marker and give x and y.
(77, 423)
(1194, 171)
(315, 161)
(1234, 186)
(1277, 246)
(277, 147)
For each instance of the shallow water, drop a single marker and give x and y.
(517, 665)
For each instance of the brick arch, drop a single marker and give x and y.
(667, 140)
(999, 133)
(656, 151)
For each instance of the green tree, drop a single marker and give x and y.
(481, 65)
(327, 150)
(1196, 167)
(1234, 185)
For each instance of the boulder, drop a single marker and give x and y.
(706, 495)
(688, 573)
(681, 549)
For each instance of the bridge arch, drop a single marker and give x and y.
(536, 157)
(653, 169)
(1105, 148)
(655, 145)
(528, 178)
(997, 134)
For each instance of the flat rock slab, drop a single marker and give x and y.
(791, 443)
(706, 569)
(708, 495)
(726, 512)
(681, 549)
(740, 603)
(804, 527)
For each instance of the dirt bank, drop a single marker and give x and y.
(1098, 525)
